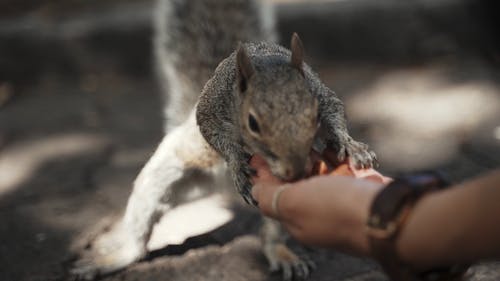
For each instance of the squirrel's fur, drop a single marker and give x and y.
(193, 37)
(288, 104)
(230, 92)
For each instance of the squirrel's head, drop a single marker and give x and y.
(279, 116)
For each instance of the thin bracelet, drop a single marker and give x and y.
(276, 197)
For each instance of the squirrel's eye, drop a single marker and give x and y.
(252, 124)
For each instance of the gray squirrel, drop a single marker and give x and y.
(264, 100)
(225, 101)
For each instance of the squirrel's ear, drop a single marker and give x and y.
(297, 53)
(245, 68)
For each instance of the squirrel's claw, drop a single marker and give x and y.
(360, 155)
(243, 184)
(296, 271)
(249, 200)
(292, 266)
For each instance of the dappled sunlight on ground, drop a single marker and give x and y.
(497, 133)
(19, 161)
(418, 118)
(190, 219)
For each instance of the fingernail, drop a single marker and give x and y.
(255, 191)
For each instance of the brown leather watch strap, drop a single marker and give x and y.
(388, 213)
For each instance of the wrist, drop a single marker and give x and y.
(407, 247)
(390, 212)
(354, 235)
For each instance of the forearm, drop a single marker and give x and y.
(458, 225)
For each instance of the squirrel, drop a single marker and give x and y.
(231, 92)
(263, 99)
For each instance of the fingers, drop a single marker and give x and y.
(265, 186)
(265, 195)
(263, 173)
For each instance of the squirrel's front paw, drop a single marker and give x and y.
(242, 182)
(360, 155)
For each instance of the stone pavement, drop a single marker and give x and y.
(80, 113)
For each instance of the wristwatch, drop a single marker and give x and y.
(388, 214)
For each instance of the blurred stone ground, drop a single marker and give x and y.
(80, 113)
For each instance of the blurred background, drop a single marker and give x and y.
(80, 113)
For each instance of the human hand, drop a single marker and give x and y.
(321, 210)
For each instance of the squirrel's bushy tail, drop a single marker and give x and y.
(193, 36)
